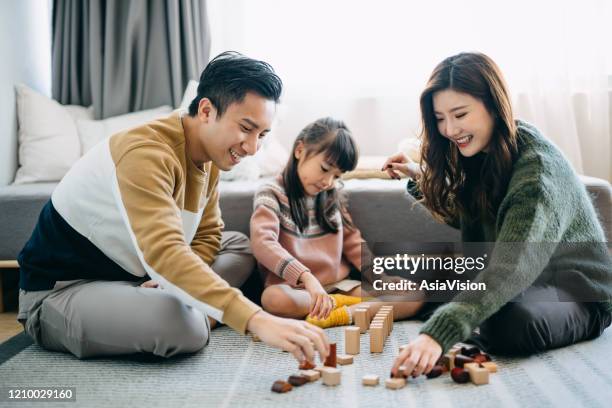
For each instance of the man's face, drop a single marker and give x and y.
(238, 132)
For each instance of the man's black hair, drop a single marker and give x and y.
(230, 75)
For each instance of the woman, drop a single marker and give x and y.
(501, 181)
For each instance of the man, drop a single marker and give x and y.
(145, 203)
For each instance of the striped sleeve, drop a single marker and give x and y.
(265, 226)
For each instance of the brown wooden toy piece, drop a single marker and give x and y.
(395, 383)
(331, 376)
(445, 363)
(470, 351)
(401, 372)
(297, 380)
(460, 360)
(459, 375)
(311, 375)
(281, 386)
(330, 361)
(370, 379)
(344, 359)
(351, 340)
(306, 365)
(481, 357)
(436, 371)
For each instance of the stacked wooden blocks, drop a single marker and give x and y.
(380, 328)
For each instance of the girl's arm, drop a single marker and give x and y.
(265, 225)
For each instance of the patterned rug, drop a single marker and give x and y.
(233, 372)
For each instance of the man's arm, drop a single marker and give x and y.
(145, 178)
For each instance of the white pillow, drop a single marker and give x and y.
(48, 140)
(91, 132)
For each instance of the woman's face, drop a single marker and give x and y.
(464, 120)
(315, 173)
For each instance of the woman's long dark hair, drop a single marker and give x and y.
(454, 185)
(332, 137)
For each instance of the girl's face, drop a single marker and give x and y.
(464, 120)
(316, 175)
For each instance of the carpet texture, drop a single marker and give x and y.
(233, 372)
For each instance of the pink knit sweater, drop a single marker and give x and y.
(283, 253)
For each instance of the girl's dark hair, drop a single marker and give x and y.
(452, 184)
(229, 76)
(333, 138)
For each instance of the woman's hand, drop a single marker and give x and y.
(321, 304)
(401, 163)
(418, 357)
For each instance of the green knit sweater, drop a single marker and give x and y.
(546, 207)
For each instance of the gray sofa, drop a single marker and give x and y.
(380, 208)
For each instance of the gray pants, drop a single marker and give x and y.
(97, 318)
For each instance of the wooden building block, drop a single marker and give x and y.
(395, 383)
(344, 359)
(351, 340)
(311, 375)
(489, 365)
(331, 376)
(467, 366)
(479, 375)
(319, 368)
(281, 386)
(330, 361)
(370, 379)
(297, 380)
(389, 310)
(306, 365)
(376, 339)
(451, 361)
(461, 360)
(360, 317)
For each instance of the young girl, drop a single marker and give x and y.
(501, 181)
(302, 235)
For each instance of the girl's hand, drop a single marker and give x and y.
(419, 356)
(321, 304)
(400, 163)
(150, 284)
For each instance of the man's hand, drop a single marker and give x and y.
(295, 336)
(400, 163)
(419, 356)
(321, 304)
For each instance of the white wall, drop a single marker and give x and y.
(25, 56)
